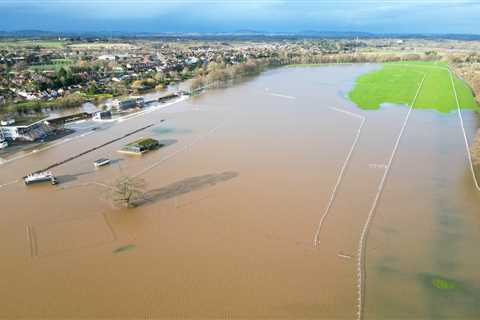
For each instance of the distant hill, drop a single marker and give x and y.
(250, 31)
(239, 34)
(336, 34)
(28, 33)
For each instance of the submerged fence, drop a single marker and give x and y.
(95, 148)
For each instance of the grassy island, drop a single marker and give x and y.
(397, 82)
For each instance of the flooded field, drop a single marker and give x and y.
(235, 202)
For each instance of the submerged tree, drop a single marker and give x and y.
(197, 84)
(128, 191)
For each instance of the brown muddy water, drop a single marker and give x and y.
(235, 199)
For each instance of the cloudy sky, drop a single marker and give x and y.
(400, 16)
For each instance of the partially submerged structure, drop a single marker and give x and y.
(39, 177)
(168, 97)
(3, 142)
(141, 146)
(26, 132)
(130, 103)
(41, 129)
(102, 115)
(101, 162)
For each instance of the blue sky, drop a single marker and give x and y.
(420, 16)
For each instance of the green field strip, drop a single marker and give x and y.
(396, 83)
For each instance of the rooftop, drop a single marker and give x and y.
(144, 142)
(26, 121)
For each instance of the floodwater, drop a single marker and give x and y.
(232, 205)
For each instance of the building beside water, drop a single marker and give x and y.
(102, 115)
(40, 129)
(26, 132)
(130, 103)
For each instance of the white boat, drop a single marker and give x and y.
(37, 177)
(101, 162)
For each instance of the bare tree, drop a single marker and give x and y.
(127, 191)
(197, 84)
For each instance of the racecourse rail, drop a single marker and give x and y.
(96, 148)
(475, 181)
(361, 270)
(316, 238)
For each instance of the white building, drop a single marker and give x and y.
(30, 132)
(107, 57)
(191, 60)
(102, 115)
(132, 102)
(7, 122)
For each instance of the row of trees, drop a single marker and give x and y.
(467, 66)
(475, 152)
(220, 74)
(36, 106)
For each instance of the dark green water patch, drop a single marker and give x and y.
(450, 298)
(446, 264)
(449, 220)
(121, 249)
(389, 230)
(387, 266)
(168, 130)
(386, 270)
(450, 233)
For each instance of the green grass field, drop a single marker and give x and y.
(56, 65)
(398, 82)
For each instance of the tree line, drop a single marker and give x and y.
(217, 75)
